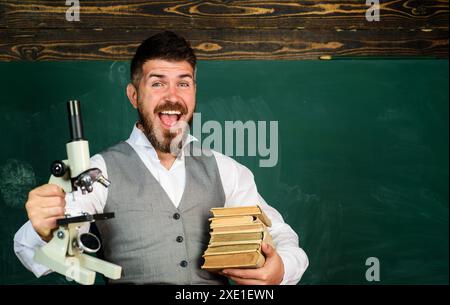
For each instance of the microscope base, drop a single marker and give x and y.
(69, 267)
(60, 256)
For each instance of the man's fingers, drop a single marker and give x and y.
(54, 202)
(44, 206)
(45, 226)
(48, 190)
(268, 250)
(53, 212)
(51, 222)
(241, 281)
(244, 273)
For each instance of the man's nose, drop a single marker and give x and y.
(172, 94)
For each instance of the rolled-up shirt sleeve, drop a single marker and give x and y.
(26, 240)
(240, 189)
(286, 240)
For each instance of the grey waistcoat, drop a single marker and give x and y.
(154, 242)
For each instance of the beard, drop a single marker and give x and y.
(166, 141)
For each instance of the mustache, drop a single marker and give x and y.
(168, 106)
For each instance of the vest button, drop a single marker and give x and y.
(176, 216)
(183, 263)
(179, 239)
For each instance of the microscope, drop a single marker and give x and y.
(65, 252)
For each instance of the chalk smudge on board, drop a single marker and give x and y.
(17, 178)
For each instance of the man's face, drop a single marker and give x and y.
(165, 100)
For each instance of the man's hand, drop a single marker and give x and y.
(44, 206)
(270, 274)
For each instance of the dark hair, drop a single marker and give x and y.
(165, 45)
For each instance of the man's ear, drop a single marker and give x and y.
(132, 95)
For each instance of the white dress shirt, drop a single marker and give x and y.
(238, 185)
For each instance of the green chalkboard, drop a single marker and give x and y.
(362, 165)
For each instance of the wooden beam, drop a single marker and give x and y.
(38, 30)
(247, 14)
(115, 44)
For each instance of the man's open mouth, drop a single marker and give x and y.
(169, 118)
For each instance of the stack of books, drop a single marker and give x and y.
(236, 237)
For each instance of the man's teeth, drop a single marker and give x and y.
(171, 112)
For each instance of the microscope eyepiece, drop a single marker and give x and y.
(75, 120)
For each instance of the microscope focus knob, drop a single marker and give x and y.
(58, 168)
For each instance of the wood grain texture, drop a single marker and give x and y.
(38, 30)
(225, 14)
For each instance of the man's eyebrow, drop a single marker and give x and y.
(156, 75)
(164, 76)
(185, 75)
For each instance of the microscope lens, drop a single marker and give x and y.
(90, 241)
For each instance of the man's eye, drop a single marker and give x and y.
(184, 84)
(157, 84)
